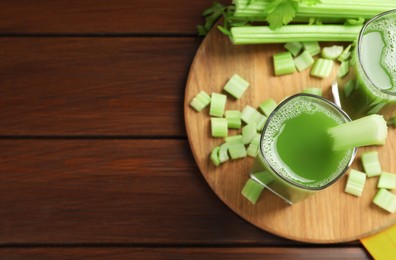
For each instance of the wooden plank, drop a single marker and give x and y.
(94, 86)
(102, 16)
(245, 253)
(113, 191)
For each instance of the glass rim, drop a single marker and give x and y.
(332, 105)
(359, 42)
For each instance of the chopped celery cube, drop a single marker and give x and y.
(264, 177)
(348, 88)
(252, 150)
(312, 48)
(217, 104)
(252, 191)
(371, 163)
(219, 127)
(332, 52)
(261, 123)
(368, 130)
(387, 180)
(385, 200)
(236, 148)
(345, 54)
(214, 156)
(236, 86)
(267, 106)
(251, 115)
(249, 132)
(283, 63)
(303, 61)
(223, 153)
(313, 91)
(322, 68)
(293, 47)
(233, 119)
(355, 183)
(256, 139)
(200, 101)
(344, 69)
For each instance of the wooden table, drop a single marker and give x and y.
(94, 156)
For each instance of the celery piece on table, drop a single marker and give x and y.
(249, 132)
(250, 115)
(223, 153)
(252, 190)
(267, 106)
(261, 123)
(217, 104)
(254, 145)
(371, 163)
(303, 61)
(312, 47)
(200, 101)
(233, 119)
(344, 69)
(236, 86)
(214, 156)
(355, 183)
(345, 53)
(368, 130)
(236, 148)
(219, 127)
(313, 91)
(385, 200)
(322, 68)
(332, 52)
(387, 180)
(293, 47)
(283, 63)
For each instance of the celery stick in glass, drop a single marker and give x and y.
(332, 53)
(312, 47)
(313, 91)
(294, 47)
(355, 183)
(303, 61)
(252, 190)
(214, 156)
(371, 163)
(344, 69)
(369, 130)
(387, 180)
(233, 119)
(283, 63)
(219, 127)
(249, 132)
(385, 200)
(217, 104)
(267, 106)
(322, 68)
(200, 101)
(236, 86)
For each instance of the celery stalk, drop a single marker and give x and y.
(217, 104)
(387, 180)
(322, 68)
(369, 130)
(385, 200)
(371, 163)
(292, 33)
(283, 63)
(355, 183)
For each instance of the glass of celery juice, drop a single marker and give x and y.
(370, 87)
(295, 158)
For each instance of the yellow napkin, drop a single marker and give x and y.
(382, 245)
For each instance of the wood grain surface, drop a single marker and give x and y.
(328, 217)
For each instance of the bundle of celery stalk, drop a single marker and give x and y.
(267, 21)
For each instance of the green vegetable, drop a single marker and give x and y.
(263, 177)
(223, 153)
(387, 180)
(345, 53)
(261, 123)
(385, 200)
(344, 69)
(292, 33)
(252, 190)
(249, 132)
(322, 68)
(303, 61)
(217, 104)
(313, 91)
(219, 127)
(267, 106)
(233, 119)
(294, 47)
(200, 101)
(332, 53)
(214, 156)
(254, 145)
(236, 86)
(283, 63)
(349, 87)
(236, 148)
(355, 183)
(312, 47)
(368, 130)
(371, 163)
(251, 115)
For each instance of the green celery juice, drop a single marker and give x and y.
(372, 86)
(297, 151)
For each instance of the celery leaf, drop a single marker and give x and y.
(280, 12)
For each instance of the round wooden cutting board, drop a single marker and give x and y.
(331, 215)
